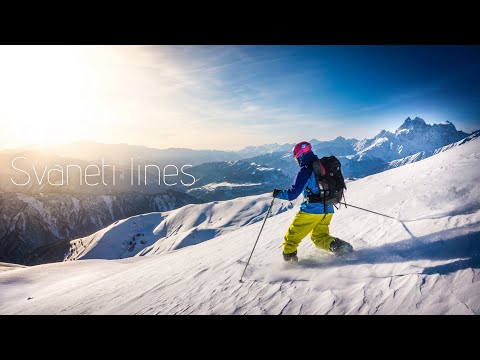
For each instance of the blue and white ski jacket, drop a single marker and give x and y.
(305, 180)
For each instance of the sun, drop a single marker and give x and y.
(47, 93)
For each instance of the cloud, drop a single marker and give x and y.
(211, 101)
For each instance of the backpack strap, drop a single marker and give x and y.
(318, 168)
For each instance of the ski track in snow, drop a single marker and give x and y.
(427, 263)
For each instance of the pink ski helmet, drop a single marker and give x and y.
(301, 148)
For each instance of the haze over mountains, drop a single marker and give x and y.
(254, 167)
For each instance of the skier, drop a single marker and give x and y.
(313, 217)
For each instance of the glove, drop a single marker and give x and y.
(275, 192)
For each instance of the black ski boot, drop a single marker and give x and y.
(292, 257)
(340, 247)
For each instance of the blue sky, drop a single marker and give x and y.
(228, 97)
(291, 92)
(354, 84)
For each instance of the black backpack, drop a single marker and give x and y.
(328, 172)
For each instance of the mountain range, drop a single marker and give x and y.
(39, 220)
(412, 141)
(424, 259)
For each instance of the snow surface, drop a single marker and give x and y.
(9, 266)
(214, 186)
(155, 233)
(427, 263)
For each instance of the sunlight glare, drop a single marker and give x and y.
(51, 94)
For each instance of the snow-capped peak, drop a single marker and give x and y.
(411, 124)
(446, 125)
(383, 133)
(410, 138)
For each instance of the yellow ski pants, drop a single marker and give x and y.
(305, 223)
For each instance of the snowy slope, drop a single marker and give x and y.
(155, 233)
(427, 153)
(428, 263)
(37, 228)
(9, 266)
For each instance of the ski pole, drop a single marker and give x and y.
(258, 237)
(373, 212)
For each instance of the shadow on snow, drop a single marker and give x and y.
(464, 249)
